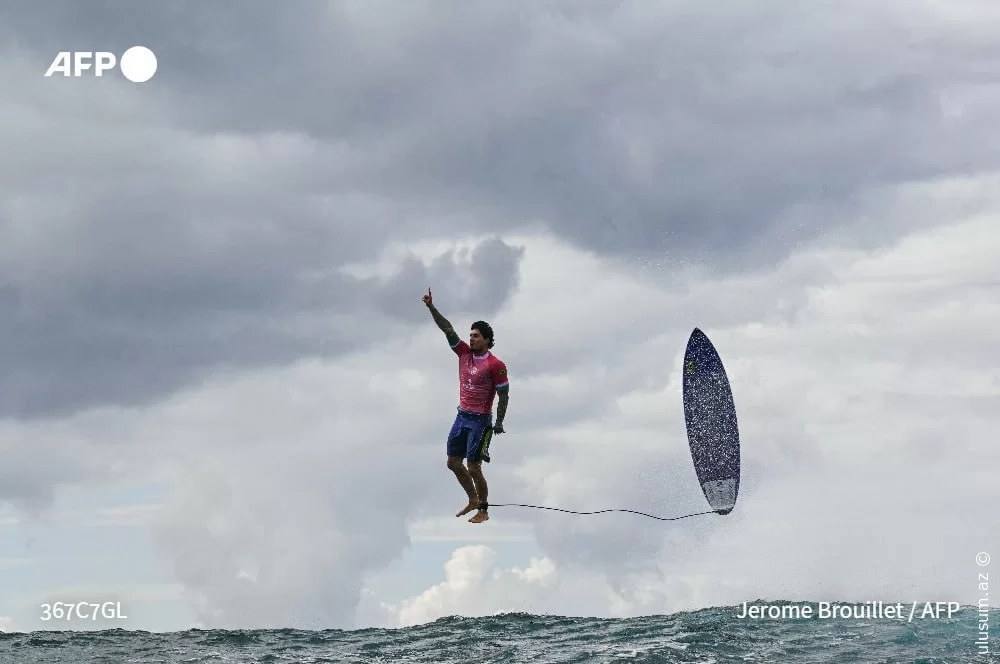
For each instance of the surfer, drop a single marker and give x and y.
(481, 375)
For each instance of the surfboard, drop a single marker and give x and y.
(710, 418)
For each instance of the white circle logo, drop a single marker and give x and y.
(138, 64)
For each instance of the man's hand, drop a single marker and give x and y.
(498, 427)
(442, 322)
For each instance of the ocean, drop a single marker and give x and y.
(709, 636)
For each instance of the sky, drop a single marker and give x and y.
(223, 403)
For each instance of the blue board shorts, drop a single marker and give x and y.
(470, 436)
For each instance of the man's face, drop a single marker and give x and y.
(477, 342)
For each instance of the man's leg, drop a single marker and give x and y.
(458, 445)
(476, 472)
(455, 464)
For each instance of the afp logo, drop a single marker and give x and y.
(137, 64)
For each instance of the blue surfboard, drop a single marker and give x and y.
(710, 418)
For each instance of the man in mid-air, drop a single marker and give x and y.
(481, 375)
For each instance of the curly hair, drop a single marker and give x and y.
(485, 330)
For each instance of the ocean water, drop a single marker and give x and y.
(707, 636)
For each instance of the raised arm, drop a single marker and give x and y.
(442, 322)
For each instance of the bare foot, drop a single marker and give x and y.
(480, 517)
(468, 508)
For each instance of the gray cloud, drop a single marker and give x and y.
(139, 292)
(626, 128)
(273, 145)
